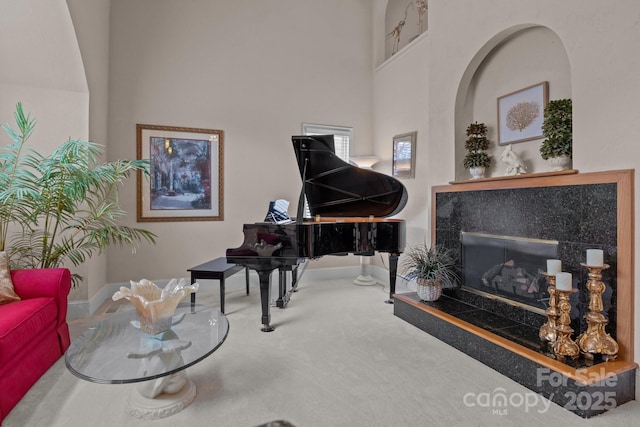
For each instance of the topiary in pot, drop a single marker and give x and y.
(476, 146)
(476, 160)
(557, 129)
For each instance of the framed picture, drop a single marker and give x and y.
(521, 113)
(186, 174)
(404, 155)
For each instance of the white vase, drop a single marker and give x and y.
(477, 172)
(155, 306)
(559, 163)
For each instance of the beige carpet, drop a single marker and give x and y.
(338, 357)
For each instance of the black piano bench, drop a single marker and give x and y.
(217, 269)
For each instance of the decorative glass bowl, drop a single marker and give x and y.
(155, 306)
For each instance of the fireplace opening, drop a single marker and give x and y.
(507, 268)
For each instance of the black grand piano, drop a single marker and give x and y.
(349, 207)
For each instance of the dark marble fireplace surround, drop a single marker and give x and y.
(580, 212)
(578, 217)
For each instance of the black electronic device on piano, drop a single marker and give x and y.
(349, 209)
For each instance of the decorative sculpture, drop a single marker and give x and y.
(161, 354)
(396, 35)
(515, 166)
(421, 8)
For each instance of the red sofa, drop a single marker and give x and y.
(33, 332)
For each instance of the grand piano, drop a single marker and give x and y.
(349, 209)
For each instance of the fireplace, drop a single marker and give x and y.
(502, 240)
(509, 268)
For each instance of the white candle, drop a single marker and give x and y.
(595, 257)
(563, 281)
(554, 266)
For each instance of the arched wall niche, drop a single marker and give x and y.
(402, 14)
(516, 58)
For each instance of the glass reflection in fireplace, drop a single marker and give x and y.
(508, 267)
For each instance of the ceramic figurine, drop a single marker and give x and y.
(515, 165)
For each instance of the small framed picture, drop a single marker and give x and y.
(185, 180)
(404, 155)
(521, 114)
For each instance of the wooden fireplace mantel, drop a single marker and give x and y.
(522, 176)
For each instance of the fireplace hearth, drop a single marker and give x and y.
(503, 241)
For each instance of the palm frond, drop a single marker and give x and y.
(66, 204)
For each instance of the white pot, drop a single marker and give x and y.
(477, 172)
(559, 163)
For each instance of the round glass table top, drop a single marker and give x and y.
(115, 351)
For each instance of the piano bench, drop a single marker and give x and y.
(217, 269)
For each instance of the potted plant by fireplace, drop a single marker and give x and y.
(477, 160)
(432, 267)
(557, 128)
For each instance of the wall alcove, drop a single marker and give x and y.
(517, 58)
(404, 21)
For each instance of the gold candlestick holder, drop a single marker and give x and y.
(548, 330)
(564, 346)
(595, 340)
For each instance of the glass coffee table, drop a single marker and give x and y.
(115, 351)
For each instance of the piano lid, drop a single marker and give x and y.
(336, 188)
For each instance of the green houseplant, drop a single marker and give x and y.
(557, 129)
(432, 267)
(476, 144)
(61, 207)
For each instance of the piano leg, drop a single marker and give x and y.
(265, 299)
(284, 295)
(393, 271)
(283, 298)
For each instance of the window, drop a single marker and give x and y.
(342, 137)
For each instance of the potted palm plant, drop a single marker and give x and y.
(432, 268)
(61, 207)
(477, 159)
(557, 128)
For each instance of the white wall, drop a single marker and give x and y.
(600, 42)
(244, 67)
(42, 68)
(400, 102)
(91, 24)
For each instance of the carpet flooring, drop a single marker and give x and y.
(338, 357)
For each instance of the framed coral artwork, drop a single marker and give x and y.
(521, 113)
(185, 180)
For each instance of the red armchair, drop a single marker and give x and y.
(34, 332)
